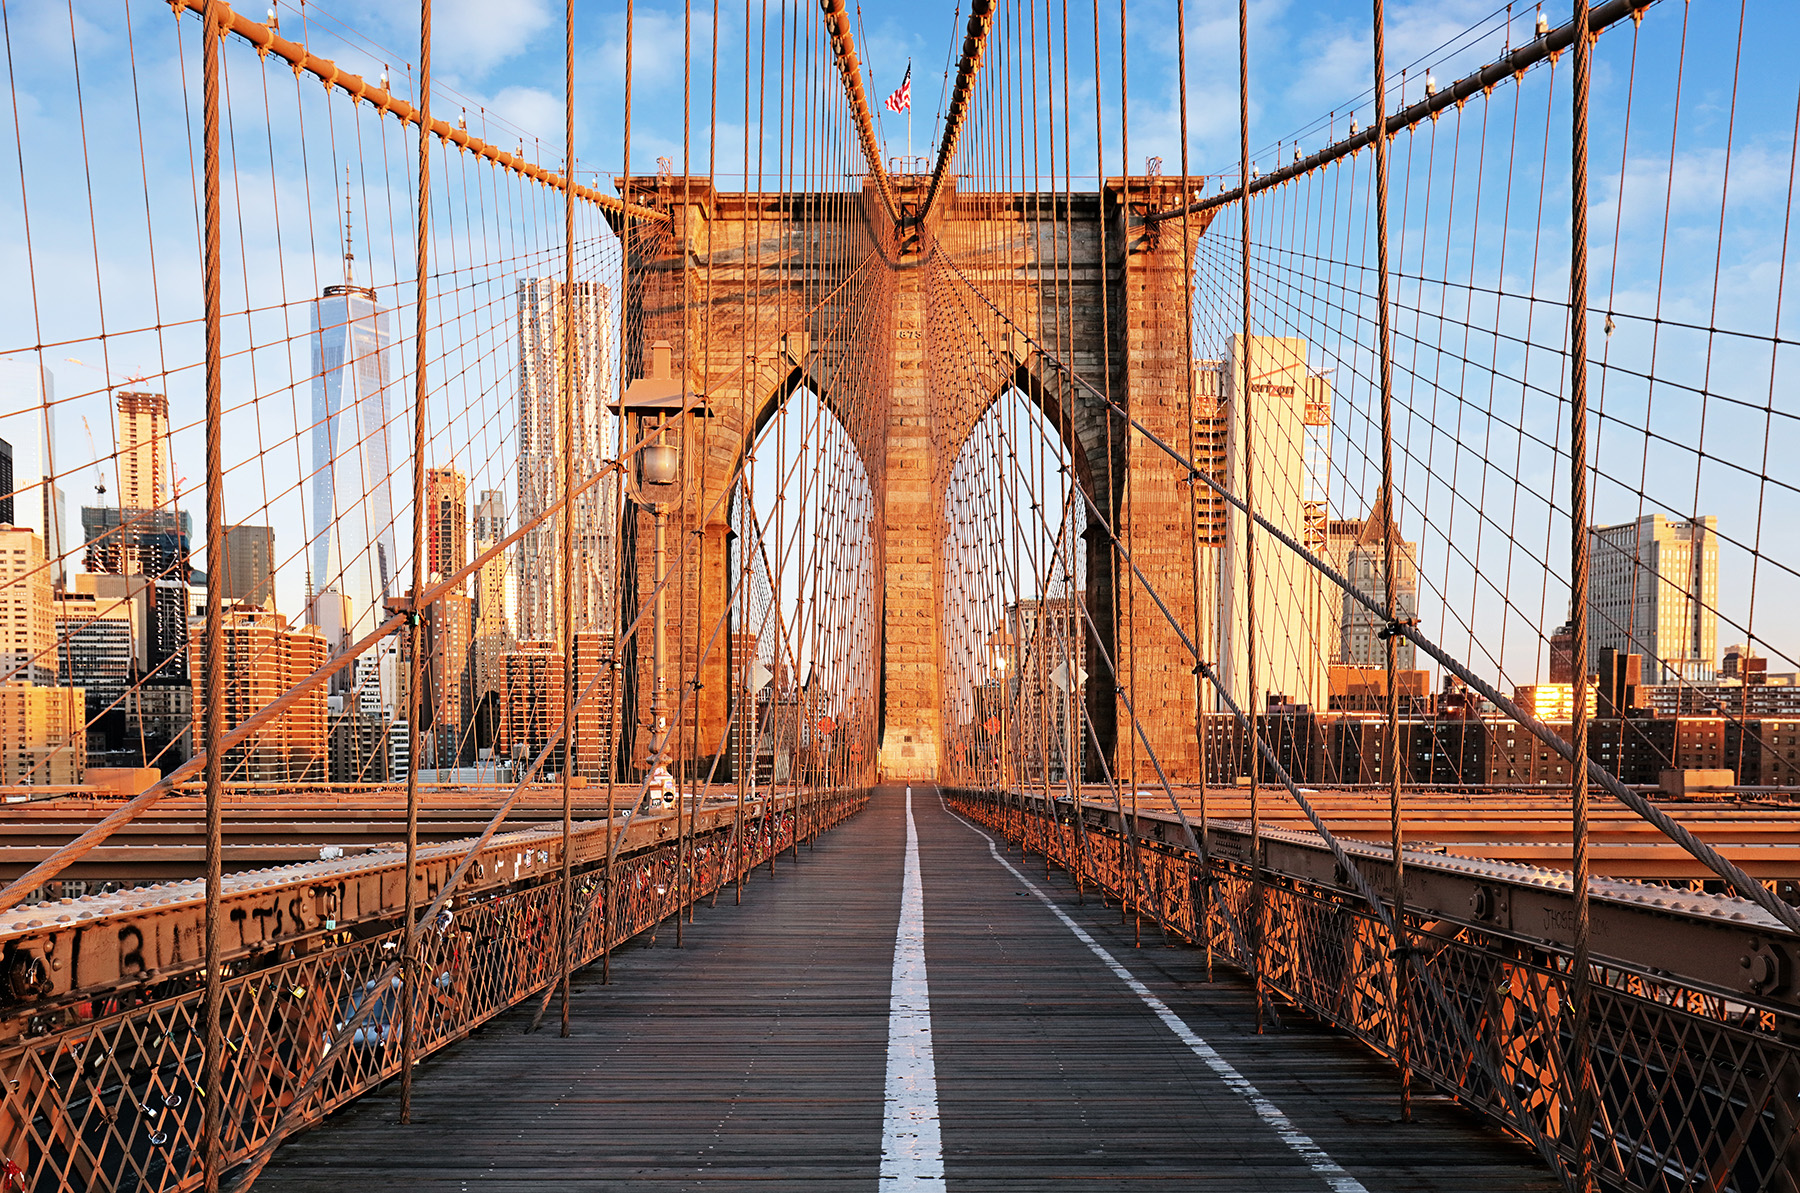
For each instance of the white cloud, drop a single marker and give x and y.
(469, 38)
(474, 36)
(533, 111)
(657, 40)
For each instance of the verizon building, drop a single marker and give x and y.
(1655, 592)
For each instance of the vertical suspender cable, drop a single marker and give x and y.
(570, 655)
(409, 967)
(612, 849)
(1390, 530)
(1579, 992)
(1242, 417)
(1202, 910)
(212, 1123)
(685, 844)
(1131, 478)
(1128, 886)
(736, 662)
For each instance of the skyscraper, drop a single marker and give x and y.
(43, 740)
(1050, 644)
(29, 497)
(1655, 592)
(7, 503)
(247, 566)
(491, 632)
(352, 547)
(445, 635)
(143, 450)
(544, 441)
(447, 530)
(96, 649)
(263, 659)
(1357, 548)
(490, 579)
(146, 535)
(154, 544)
(27, 615)
(533, 708)
(1293, 624)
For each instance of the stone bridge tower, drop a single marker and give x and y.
(1076, 301)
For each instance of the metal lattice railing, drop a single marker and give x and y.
(113, 1103)
(1695, 1090)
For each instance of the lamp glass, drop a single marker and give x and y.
(660, 464)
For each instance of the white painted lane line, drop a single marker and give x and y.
(912, 1148)
(1302, 1145)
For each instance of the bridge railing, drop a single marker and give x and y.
(106, 1094)
(1696, 1070)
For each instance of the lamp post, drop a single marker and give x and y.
(655, 404)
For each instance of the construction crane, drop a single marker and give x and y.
(94, 450)
(130, 379)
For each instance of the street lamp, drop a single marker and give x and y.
(653, 406)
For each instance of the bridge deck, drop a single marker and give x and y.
(757, 1055)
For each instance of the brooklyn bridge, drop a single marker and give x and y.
(579, 611)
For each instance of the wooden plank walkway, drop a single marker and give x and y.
(755, 1057)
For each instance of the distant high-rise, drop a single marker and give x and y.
(263, 659)
(27, 614)
(146, 535)
(1655, 592)
(1050, 642)
(490, 517)
(544, 442)
(143, 450)
(153, 544)
(96, 649)
(29, 496)
(533, 710)
(1357, 549)
(490, 579)
(1212, 441)
(359, 727)
(352, 546)
(447, 531)
(43, 738)
(442, 706)
(247, 566)
(532, 707)
(491, 632)
(6, 483)
(1562, 653)
(1293, 622)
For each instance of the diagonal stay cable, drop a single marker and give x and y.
(1741, 883)
(974, 45)
(843, 47)
(1439, 994)
(129, 811)
(1602, 17)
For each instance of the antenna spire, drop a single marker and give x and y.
(349, 255)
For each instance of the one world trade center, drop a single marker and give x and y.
(352, 555)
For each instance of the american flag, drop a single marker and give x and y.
(901, 100)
